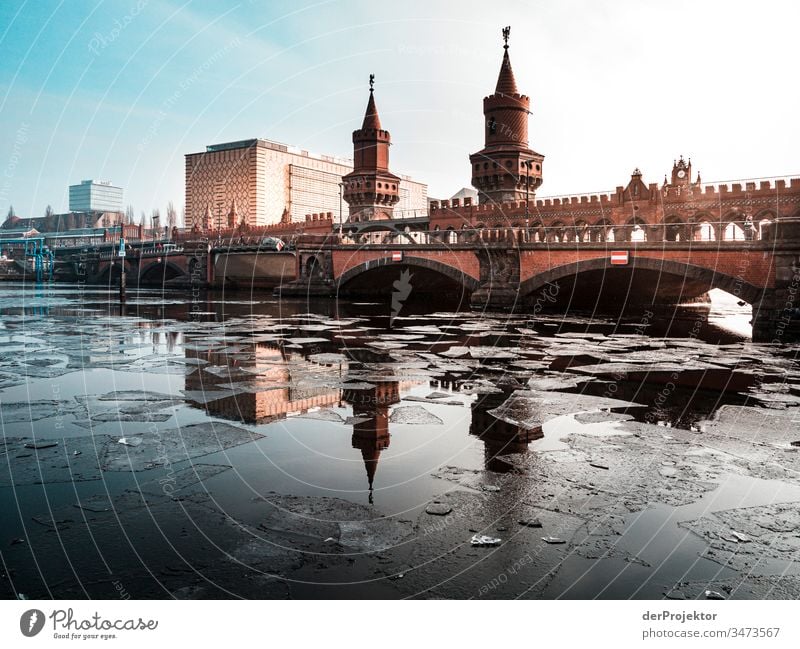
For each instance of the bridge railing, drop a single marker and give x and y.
(666, 233)
(143, 252)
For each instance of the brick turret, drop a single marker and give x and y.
(506, 164)
(371, 190)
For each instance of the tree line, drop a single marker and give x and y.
(153, 220)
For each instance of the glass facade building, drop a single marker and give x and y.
(266, 178)
(95, 196)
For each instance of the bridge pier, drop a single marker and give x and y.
(776, 317)
(499, 279)
(314, 276)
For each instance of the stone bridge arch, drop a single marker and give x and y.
(108, 271)
(453, 274)
(159, 272)
(688, 273)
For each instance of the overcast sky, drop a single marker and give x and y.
(122, 90)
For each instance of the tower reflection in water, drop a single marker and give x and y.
(371, 422)
(262, 383)
(270, 383)
(499, 438)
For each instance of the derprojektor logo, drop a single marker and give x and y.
(31, 622)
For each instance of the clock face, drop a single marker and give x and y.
(681, 173)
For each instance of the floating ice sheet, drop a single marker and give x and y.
(415, 415)
(530, 409)
(167, 447)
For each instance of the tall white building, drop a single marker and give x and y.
(264, 178)
(95, 196)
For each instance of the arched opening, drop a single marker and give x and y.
(110, 274)
(733, 232)
(636, 230)
(582, 233)
(704, 231)
(408, 281)
(603, 231)
(159, 273)
(763, 224)
(598, 286)
(312, 267)
(674, 229)
(194, 265)
(555, 233)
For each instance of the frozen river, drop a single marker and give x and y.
(210, 445)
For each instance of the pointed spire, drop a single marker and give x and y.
(232, 214)
(371, 457)
(371, 119)
(506, 84)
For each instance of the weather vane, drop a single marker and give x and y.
(371, 82)
(506, 34)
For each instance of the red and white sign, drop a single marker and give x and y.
(619, 258)
(397, 256)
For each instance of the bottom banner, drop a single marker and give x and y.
(332, 624)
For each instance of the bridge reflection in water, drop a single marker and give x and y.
(265, 383)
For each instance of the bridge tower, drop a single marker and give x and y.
(506, 169)
(371, 190)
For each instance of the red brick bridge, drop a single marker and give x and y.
(509, 268)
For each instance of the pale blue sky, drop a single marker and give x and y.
(122, 90)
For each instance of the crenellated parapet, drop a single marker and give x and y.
(650, 208)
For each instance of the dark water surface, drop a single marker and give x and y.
(229, 445)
